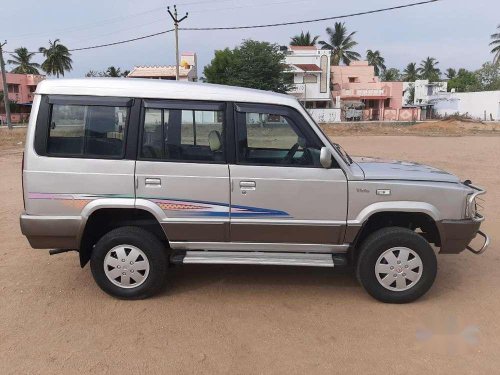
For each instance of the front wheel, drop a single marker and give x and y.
(129, 263)
(396, 265)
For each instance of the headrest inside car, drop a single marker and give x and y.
(214, 140)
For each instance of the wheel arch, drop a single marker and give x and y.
(420, 221)
(103, 218)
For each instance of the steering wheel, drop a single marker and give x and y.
(288, 159)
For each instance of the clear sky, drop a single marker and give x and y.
(456, 32)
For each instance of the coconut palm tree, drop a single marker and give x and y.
(390, 75)
(57, 59)
(340, 44)
(410, 74)
(428, 69)
(376, 60)
(21, 59)
(496, 45)
(304, 39)
(450, 73)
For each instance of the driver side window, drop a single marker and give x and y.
(272, 139)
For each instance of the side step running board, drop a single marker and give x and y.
(262, 258)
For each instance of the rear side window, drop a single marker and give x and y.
(183, 135)
(87, 130)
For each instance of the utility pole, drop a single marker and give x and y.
(176, 25)
(5, 87)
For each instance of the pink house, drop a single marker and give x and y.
(356, 85)
(21, 88)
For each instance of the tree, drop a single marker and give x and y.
(113, 72)
(411, 93)
(428, 69)
(495, 43)
(450, 73)
(109, 72)
(410, 74)
(489, 76)
(340, 44)
(304, 39)
(391, 74)
(254, 64)
(376, 60)
(57, 59)
(464, 81)
(21, 59)
(93, 73)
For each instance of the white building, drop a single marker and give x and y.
(482, 105)
(424, 91)
(311, 75)
(188, 70)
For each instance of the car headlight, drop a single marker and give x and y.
(472, 211)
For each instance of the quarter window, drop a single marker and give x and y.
(85, 130)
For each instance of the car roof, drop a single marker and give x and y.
(160, 89)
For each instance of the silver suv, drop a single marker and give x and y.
(139, 174)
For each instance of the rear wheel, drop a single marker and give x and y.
(396, 265)
(129, 263)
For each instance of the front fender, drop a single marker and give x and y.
(396, 206)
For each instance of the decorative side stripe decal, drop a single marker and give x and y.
(187, 207)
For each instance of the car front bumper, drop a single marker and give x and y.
(456, 236)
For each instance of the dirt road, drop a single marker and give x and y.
(242, 319)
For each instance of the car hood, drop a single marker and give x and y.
(379, 169)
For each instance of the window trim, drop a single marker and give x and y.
(291, 113)
(186, 105)
(44, 117)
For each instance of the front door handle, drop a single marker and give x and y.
(248, 185)
(149, 181)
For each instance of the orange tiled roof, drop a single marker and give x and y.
(308, 67)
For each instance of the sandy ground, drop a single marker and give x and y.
(249, 320)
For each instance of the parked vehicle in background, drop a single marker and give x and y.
(137, 174)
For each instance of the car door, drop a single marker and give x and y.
(281, 196)
(181, 170)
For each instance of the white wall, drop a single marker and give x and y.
(325, 115)
(472, 103)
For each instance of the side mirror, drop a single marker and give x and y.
(325, 158)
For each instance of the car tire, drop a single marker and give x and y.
(129, 263)
(396, 265)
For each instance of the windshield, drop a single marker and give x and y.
(343, 154)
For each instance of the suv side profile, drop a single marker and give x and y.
(139, 174)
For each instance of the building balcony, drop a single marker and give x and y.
(298, 89)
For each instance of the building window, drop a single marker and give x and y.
(353, 79)
(310, 78)
(13, 89)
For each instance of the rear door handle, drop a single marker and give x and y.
(149, 181)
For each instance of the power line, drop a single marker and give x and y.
(122, 41)
(310, 21)
(256, 26)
